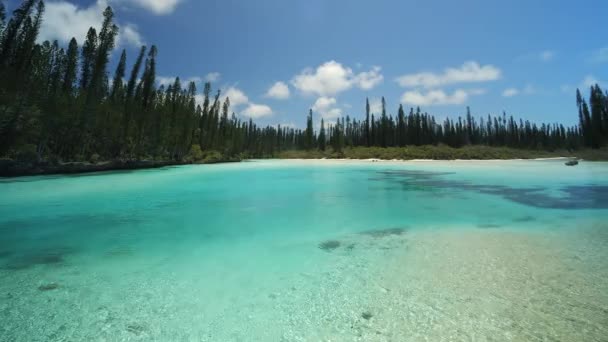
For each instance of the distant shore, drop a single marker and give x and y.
(13, 168)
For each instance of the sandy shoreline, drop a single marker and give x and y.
(375, 160)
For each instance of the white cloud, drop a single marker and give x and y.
(438, 97)
(237, 97)
(467, 73)
(510, 92)
(375, 106)
(527, 90)
(547, 55)
(64, 20)
(158, 7)
(333, 113)
(213, 77)
(323, 103)
(369, 79)
(130, 36)
(325, 106)
(279, 91)
(332, 78)
(256, 110)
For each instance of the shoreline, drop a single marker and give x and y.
(12, 169)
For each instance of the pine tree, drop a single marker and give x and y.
(309, 131)
(10, 35)
(119, 74)
(322, 138)
(367, 134)
(89, 49)
(71, 67)
(107, 36)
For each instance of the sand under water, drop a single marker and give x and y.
(308, 251)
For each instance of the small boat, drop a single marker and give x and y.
(572, 163)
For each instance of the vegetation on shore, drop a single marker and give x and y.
(59, 105)
(443, 152)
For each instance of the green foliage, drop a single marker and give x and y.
(195, 154)
(27, 154)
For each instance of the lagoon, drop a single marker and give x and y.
(272, 250)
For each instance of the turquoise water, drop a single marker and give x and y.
(308, 251)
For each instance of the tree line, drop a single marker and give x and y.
(60, 102)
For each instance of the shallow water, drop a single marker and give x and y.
(308, 251)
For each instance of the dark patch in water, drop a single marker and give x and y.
(488, 225)
(48, 287)
(47, 257)
(329, 245)
(384, 232)
(524, 219)
(350, 247)
(367, 315)
(5, 254)
(136, 329)
(574, 196)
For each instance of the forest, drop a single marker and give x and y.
(61, 103)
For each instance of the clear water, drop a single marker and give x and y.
(308, 251)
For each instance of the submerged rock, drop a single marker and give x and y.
(136, 329)
(367, 315)
(524, 219)
(329, 245)
(48, 287)
(384, 232)
(572, 163)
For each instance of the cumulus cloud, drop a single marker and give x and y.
(510, 92)
(326, 107)
(213, 77)
(279, 91)
(130, 36)
(369, 79)
(237, 97)
(467, 73)
(64, 20)
(255, 111)
(323, 103)
(375, 105)
(332, 78)
(438, 97)
(158, 7)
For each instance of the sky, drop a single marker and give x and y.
(276, 59)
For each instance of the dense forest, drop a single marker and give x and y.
(60, 103)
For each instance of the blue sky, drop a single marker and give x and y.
(523, 57)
